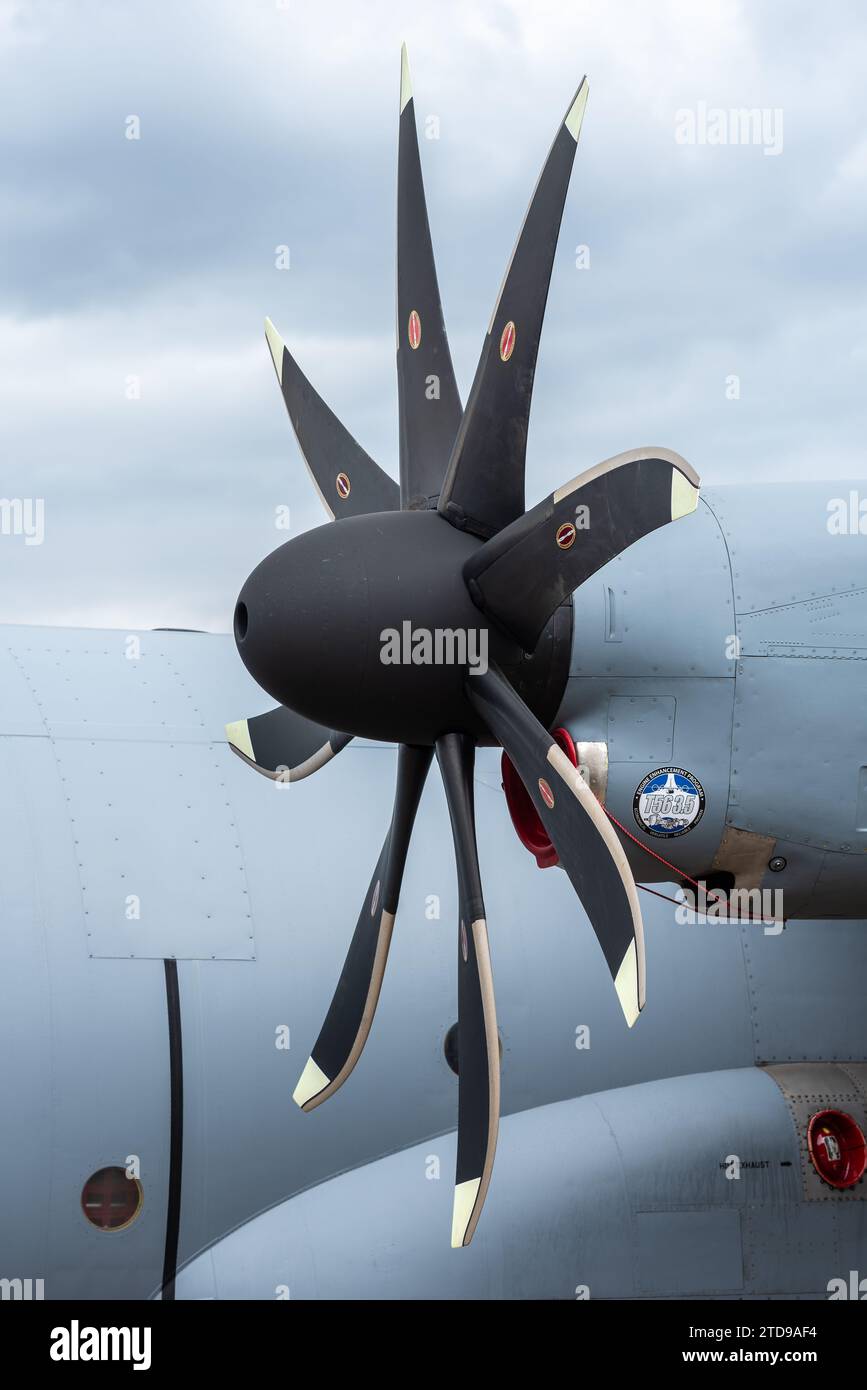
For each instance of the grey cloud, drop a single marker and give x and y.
(262, 126)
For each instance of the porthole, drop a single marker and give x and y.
(110, 1200)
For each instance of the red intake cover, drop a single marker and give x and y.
(525, 818)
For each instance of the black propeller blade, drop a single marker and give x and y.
(484, 487)
(588, 848)
(348, 1021)
(522, 575)
(478, 1040)
(429, 404)
(284, 745)
(348, 481)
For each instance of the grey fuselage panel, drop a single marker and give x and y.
(733, 644)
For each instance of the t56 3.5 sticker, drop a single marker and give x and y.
(668, 802)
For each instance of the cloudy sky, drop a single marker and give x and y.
(266, 123)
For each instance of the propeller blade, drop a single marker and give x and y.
(429, 404)
(522, 575)
(484, 485)
(284, 745)
(350, 1015)
(348, 481)
(478, 1040)
(588, 848)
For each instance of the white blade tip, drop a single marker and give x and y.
(311, 1082)
(576, 111)
(626, 985)
(275, 344)
(684, 497)
(405, 84)
(465, 1200)
(238, 735)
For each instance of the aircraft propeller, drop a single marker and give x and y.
(451, 549)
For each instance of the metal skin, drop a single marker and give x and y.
(628, 1194)
(722, 646)
(115, 781)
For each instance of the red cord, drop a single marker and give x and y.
(680, 873)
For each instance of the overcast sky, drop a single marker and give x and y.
(265, 124)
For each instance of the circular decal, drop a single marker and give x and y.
(507, 341)
(465, 949)
(546, 793)
(414, 330)
(566, 535)
(342, 486)
(668, 802)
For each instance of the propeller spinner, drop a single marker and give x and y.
(452, 551)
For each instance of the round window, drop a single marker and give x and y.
(110, 1200)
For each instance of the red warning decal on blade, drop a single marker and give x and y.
(546, 793)
(565, 535)
(342, 483)
(414, 330)
(507, 341)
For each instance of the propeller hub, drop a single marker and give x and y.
(367, 626)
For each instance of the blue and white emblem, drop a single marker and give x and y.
(668, 802)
